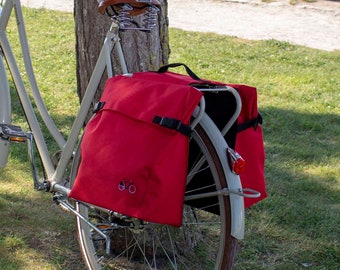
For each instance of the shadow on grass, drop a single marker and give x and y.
(35, 234)
(19, 151)
(298, 224)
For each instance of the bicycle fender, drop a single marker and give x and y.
(233, 180)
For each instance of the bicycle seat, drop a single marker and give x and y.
(136, 6)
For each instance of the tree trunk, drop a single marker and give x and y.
(142, 50)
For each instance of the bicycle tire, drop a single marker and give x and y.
(205, 244)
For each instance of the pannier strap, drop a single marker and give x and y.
(251, 123)
(174, 124)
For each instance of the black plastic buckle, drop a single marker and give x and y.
(174, 124)
(98, 106)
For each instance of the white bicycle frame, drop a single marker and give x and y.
(5, 108)
(54, 176)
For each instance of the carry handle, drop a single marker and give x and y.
(201, 84)
(165, 68)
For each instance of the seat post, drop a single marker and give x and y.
(113, 34)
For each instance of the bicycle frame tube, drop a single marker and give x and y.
(13, 67)
(10, 4)
(110, 42)
(5, 111)
(55, 176)
(5, 108)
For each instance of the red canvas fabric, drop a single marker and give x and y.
(130, 164)
(249, 144)
(138, 168)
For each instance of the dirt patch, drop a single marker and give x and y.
(315, 25)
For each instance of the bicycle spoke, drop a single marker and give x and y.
(138, 245)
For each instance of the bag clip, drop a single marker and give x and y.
(251, 123)
(98, 106)
(172, 123)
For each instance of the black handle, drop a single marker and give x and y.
(188, 70)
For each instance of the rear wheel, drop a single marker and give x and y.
(202, 242)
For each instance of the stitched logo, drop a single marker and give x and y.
(127, 185)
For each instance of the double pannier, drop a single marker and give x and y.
(135, 150)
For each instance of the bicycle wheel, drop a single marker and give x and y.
(202, 242)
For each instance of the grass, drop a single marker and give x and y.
(35, 233)
(296, 227)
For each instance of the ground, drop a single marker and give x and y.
(312, 24)
(315, 25)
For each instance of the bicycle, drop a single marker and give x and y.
(110, 240)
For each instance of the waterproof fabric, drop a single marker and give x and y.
(249, 143)
(130, 164)
(245, 136)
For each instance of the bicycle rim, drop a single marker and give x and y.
(202, 242)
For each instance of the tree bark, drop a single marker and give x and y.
(143, 51)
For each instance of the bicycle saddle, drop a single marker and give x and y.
(136, 7)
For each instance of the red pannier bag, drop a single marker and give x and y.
(134, 150)
(245, 136)
(249, 143)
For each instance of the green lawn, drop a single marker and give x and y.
(296, 227)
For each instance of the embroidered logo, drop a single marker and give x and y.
(127, 185)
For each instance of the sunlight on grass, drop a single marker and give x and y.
(296, 227)
(299, 100)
